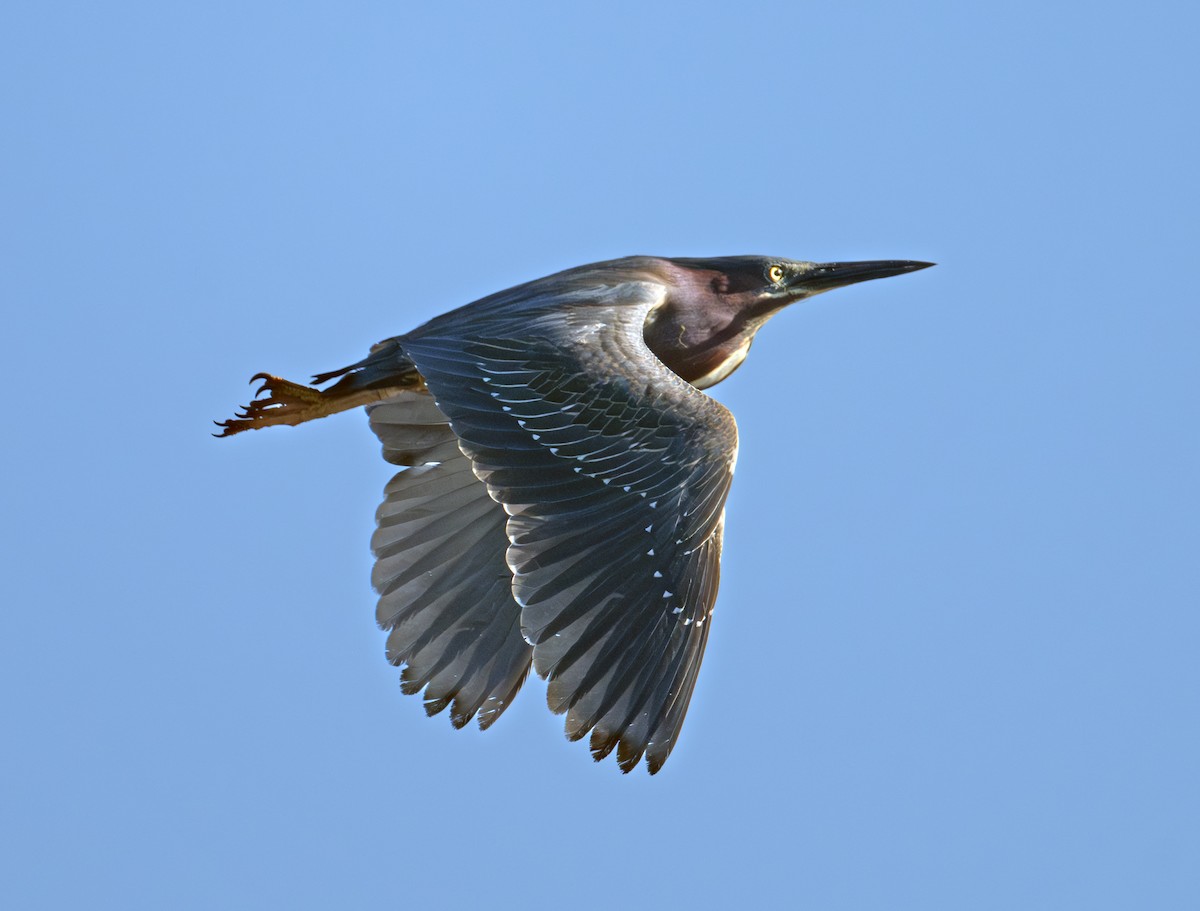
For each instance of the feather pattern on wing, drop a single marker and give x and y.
(613, 472)
(444, 588)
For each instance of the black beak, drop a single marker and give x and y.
(827, 276)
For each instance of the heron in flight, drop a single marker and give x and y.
(564, 498)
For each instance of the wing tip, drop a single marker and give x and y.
(630, 752)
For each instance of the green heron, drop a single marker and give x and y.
(564, 501)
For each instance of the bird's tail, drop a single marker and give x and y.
(383, 373)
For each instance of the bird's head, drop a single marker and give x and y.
(715, 306)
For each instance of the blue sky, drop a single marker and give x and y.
(954, 660)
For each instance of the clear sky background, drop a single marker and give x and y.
(954, 662)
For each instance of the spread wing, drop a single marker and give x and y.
(613, 473)
(444, 588)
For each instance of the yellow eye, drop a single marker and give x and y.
(775, 273)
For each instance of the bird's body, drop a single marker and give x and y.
(565, 504)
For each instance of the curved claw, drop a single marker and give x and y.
(280, 401)
(285, 402)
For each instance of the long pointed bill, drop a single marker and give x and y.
(827, 276)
